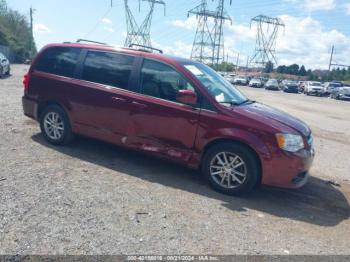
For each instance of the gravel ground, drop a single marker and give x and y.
(95, 198)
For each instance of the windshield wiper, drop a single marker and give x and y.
(232, 103)
(247, 101)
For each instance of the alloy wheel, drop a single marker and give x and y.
(54, 125)
(228, 170)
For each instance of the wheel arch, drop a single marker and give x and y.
(237, 142)
(44, 104)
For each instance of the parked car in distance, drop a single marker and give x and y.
(27, 61)
(256, 82)
(230, 78)
(341, 93)
(168, 107)
(272, 84)
(290, 86)
(329, 87)
(313, 88)
(338, 82)
(5, 68)
(240, 80)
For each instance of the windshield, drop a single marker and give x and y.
(217, 86)
(315, 84)
(291, 82)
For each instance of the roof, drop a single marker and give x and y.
(126, 50)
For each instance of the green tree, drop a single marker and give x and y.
(302, 71)
(268, 67)
(15, 32)
(281, 69)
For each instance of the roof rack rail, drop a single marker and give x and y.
(89, 41)
(146, 48)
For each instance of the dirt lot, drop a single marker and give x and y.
(94, 198)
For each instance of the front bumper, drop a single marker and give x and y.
(344, 96)
(316, 92)
(288, 170)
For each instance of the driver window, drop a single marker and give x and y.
(162, 81)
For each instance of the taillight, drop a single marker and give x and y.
(26, 79)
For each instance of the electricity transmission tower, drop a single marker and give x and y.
(267, 31)
(140, 34)
(208, 44)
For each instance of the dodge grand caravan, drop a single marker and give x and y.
(169, 107)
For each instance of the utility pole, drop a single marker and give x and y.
(31, 42)
(266, 37)
(247, 62)
(208, 44)
(331, 63)
(140, 34)
(331, 60)
(237, 62)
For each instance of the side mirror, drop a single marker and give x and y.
(187, 97)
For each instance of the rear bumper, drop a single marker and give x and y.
(30, 107)
(288, 170)
(271, 88)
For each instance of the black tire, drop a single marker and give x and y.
(67, 135)
(8, 71)
(245, 154)
(1, 71)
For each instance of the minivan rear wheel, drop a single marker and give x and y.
(231, 168)
(55, 126)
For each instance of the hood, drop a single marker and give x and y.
(273, 117)
(344, 90)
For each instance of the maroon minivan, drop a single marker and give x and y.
(170, 107)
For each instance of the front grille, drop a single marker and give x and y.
(299, 178)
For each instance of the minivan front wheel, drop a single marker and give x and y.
(231, 168)
(55, 125)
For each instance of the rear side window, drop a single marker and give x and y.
(59, 61)
(108, 68)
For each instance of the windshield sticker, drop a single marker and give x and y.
(220, 98)
(194, 70)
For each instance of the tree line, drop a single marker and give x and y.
(15, 32)
(315, 75)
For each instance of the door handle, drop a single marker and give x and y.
(118, 99)
(139, 105)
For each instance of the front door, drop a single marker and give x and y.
(158, 123)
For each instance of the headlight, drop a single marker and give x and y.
(290, 142)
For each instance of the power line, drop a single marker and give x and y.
(100, 20)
